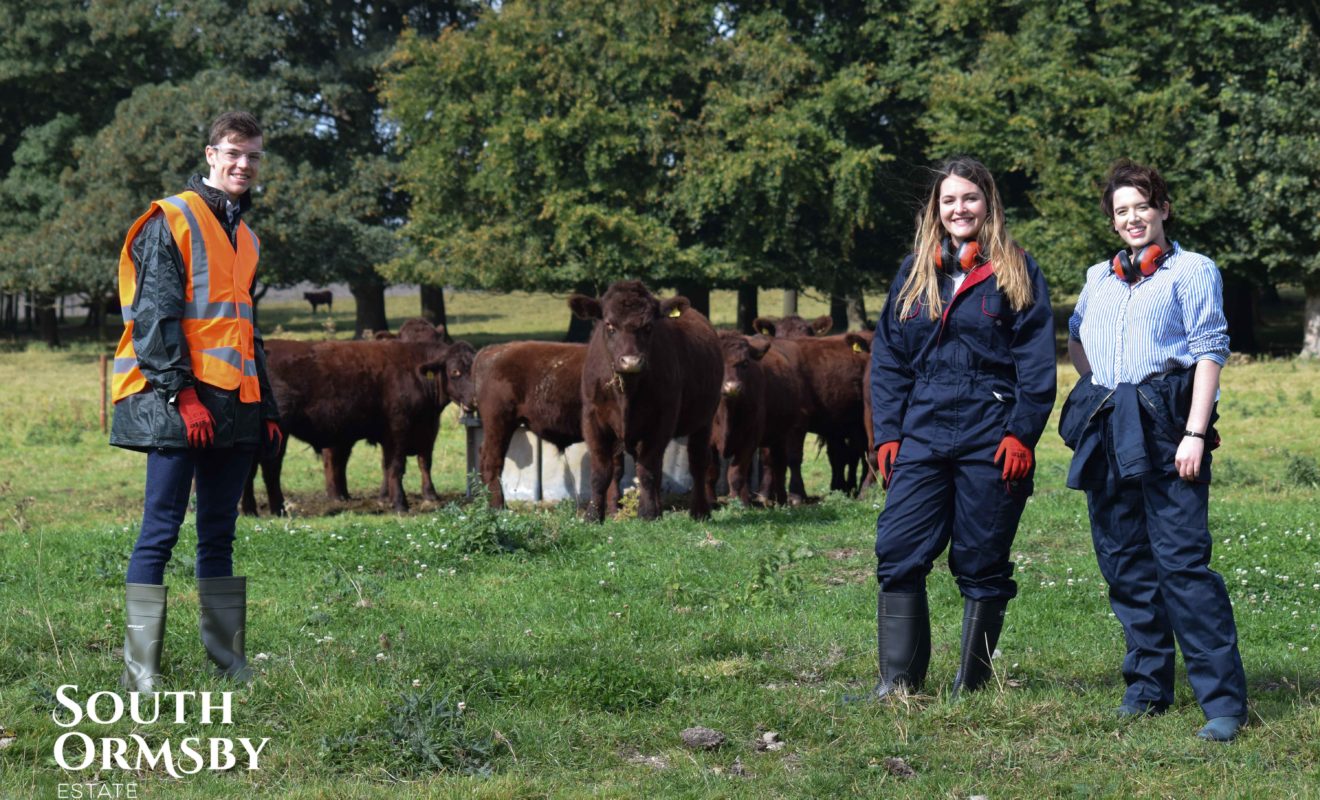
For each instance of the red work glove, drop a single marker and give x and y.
(885, 456)
(273, 436)
(1017, 458)
(196, 419)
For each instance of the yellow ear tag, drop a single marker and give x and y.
(857, 348)
(675, 312)
(765, 331)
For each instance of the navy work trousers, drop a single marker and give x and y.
(220, 475)
(960, 502)
(1152, 540)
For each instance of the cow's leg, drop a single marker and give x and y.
(650, 467)
(835, 451)
(601, 445)
(795, 443)
(424, 467)
(740, 470)
(271, 468)
(248, 505)
(774, 464)
(712, 475)
(698, 459)
(335, 461)
(497, 433)
(395, 462)
(616, 477)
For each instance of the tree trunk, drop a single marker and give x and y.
(857, 320)
(698, 294)
(747, 308)
(1311, 318)
(1240, 311)
(579, 330)
(369, 292)
(790, 302)
(839, 311)
(433, 305)
(48, 322)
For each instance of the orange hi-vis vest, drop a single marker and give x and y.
(217, 316)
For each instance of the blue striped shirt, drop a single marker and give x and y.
(1172, 319)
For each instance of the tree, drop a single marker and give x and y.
(541, 145)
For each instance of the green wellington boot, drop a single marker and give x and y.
(144, 636)
(982, 623)
(222, 621)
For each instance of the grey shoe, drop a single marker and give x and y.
(144, 636)
(222, 622)
(1221, 729)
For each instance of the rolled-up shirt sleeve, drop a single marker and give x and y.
(1201, 297)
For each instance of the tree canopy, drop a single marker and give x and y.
(564, 144)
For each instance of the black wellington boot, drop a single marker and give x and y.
(144, 636)
(902, 623)
(982, 623)
(222, 623)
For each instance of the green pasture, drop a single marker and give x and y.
(453, 651)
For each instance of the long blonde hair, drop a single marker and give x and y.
(1010, 263)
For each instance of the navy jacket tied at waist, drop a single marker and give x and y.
(1131, 430)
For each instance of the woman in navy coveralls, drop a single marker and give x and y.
(1149, 338)
(962, 383)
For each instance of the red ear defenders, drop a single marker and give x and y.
(966, 258)
(1143, 265)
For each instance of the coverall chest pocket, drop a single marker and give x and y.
(995, 322)
(916, 325)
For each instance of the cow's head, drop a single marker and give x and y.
(740, 352)
(627, 315)
(452, 372)
(793, 327)
(419, 330)
(859, 342)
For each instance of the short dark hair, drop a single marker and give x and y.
(233, 123)
(1147, 180)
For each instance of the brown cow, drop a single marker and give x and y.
(861, 342)
(653, 372)
(537, 384)
(761, 406)
(793, 326)
(832, 373)
(324, 297)
(333, 394)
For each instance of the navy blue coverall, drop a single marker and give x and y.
(1152, 539)
(949, 390)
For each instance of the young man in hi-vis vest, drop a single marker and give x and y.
(190, 390)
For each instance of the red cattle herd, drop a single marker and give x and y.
(653, 370)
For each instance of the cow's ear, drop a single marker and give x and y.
(822, 325)
(585, 307)
(674, 306)
(758, 346)
(442, 333)
(383, 335)
(858, 342)
(763, 326)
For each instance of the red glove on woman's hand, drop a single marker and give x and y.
(885, 456)
(1017, 458)
(196, 419)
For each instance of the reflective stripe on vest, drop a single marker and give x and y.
(217, 313)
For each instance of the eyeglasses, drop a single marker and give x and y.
(235, 156)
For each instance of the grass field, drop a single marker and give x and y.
(457, 652)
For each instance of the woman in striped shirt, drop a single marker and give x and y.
(1149, 338)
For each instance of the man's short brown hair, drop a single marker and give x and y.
(233, 123)
(1146, 180)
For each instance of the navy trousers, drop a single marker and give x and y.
(1152, 541)
(220, 476)
(961, 502)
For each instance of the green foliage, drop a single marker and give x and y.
(1303, 471)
